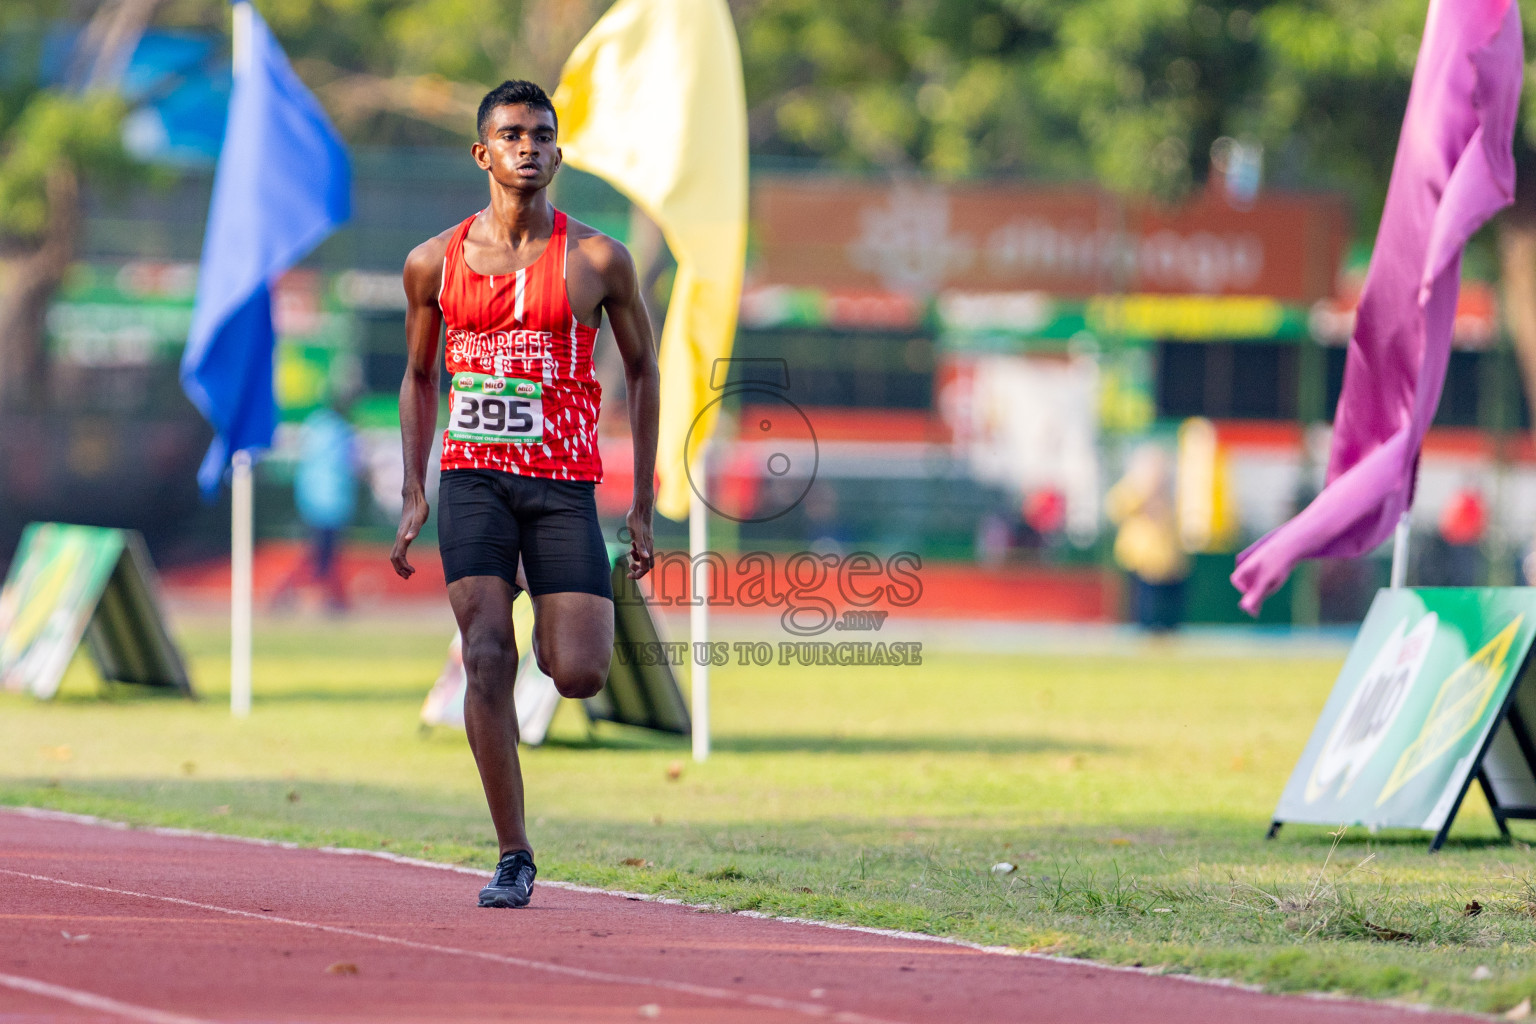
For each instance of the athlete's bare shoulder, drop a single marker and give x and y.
(604, 256)
(424, 267)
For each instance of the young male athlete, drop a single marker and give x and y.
(522, 289)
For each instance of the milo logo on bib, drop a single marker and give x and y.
(480, 410)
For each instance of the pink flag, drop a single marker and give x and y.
(1454, 170)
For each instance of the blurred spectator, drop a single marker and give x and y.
(1045, 511)
(823, 525)
(1463, 522)
(1147, 544)
(1528, 564)
(739, 486)
(1033, 529)
(325, 491)
(1045, 515)
(994, 538)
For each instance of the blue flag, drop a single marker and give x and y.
(283, 183)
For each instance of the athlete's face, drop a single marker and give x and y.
(519, 150)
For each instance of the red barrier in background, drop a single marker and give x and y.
(947, 590)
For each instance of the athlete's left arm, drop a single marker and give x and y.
(631, 324)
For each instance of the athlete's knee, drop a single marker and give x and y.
(580, 682)
(490, 665)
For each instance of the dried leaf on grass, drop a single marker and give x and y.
(1472, 909)
(635, 862)
(1387, 934)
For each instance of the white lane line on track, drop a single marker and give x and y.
(48, 814)
(92, 1001)
(584, 974)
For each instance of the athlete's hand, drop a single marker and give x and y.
(642, 550)
(413, 516)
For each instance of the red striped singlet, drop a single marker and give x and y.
(512, 337)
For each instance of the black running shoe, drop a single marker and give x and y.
(512, 885)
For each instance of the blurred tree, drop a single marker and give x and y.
(397, 72)
(1131, 93)
(50, 139)
(413, 71)
(949, 87)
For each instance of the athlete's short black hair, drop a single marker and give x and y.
(513, 93)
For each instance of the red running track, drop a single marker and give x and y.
(105, 924)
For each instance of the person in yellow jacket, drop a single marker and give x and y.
(1147, 545)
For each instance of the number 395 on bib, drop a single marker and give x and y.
(495, 410)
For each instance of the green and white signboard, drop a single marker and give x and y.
(69, 583)
(1436, 692)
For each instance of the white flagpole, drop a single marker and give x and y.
(240, 587)
(240, 39)
(698, 613)
(1400, 553)
(241, 512)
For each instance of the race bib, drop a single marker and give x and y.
(495, 410)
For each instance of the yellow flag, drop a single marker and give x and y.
(652, 101)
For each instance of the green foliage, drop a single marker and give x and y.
(1152, 85)
(55, 131)
(46, 131)
(1336, 91)
(475, 42)
(1130, 93)
(467, 40)
(943, 85)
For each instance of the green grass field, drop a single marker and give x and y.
(1132, 793)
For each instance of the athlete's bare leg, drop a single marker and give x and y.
(483, 606)
(573, 641)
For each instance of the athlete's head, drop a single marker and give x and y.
(517, 137)
(512, 93)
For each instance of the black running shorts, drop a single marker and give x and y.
(487, 518)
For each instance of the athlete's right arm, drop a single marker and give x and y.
(418, 391)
